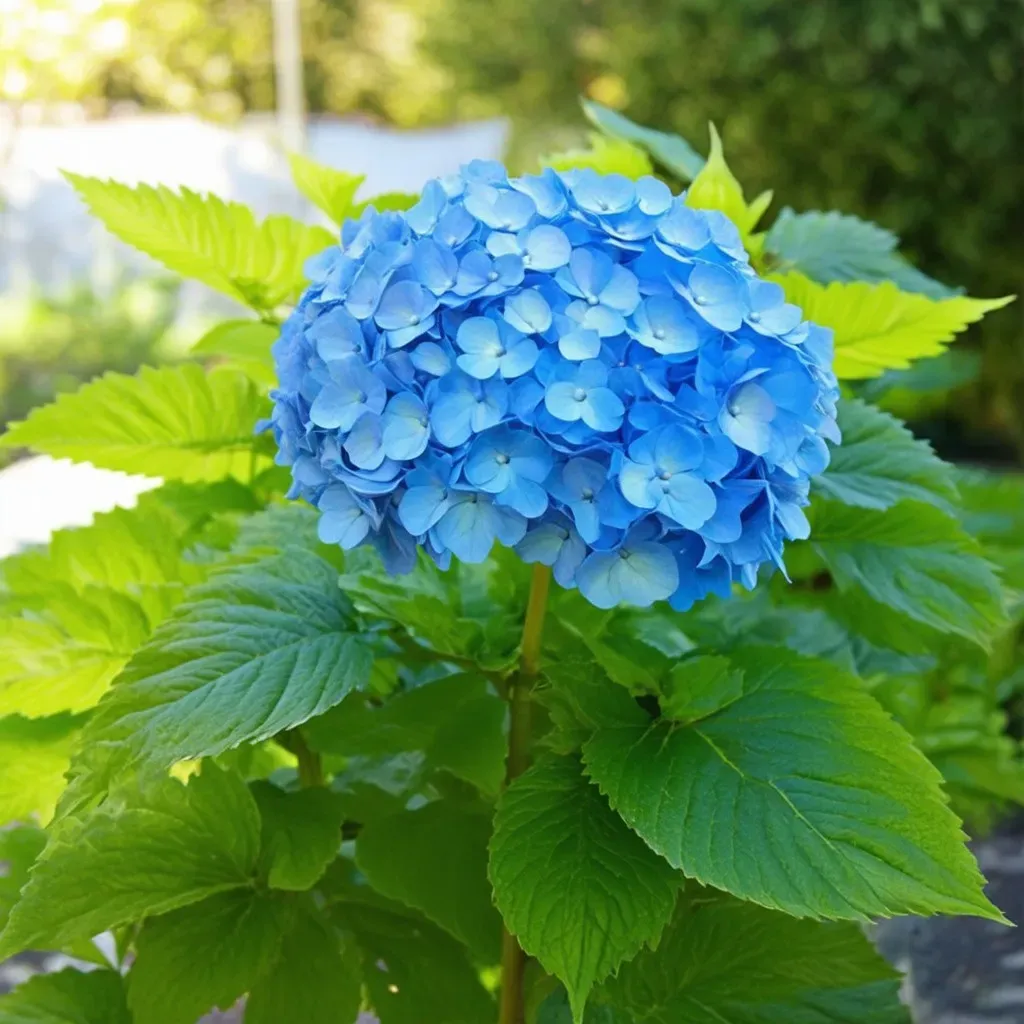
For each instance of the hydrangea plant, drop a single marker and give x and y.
(532, 622)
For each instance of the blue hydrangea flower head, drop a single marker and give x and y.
(578, 366)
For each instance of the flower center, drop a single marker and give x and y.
(591, 300)
(755, 318)
(492, 276)
(501, 459)
(414, 319)
(579, 395)
(588, 494)
(659, 333)
(701, 300)
(360, 397)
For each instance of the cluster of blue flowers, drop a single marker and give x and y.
(576, 365)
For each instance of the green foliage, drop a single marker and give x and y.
(880, 463)
(68, 997)
(175, 422)
(216, 242)
(580, 891)
(331, 190)
(815, 796)
(149, 852)
(676, 815)
(878, 327)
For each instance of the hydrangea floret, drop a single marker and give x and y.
(576, 365)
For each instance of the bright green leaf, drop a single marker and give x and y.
(913, 558)
(331, 190)
(245, 344)
(802, 795)
(256, 650)
(606, 156)
(165, 848)
(35, 755)
(716, 188)
(835, 246)
(877, 327)
(698, 687)
(315, 980)
(205, 955)
(434, 858)
(881, 463)
(68, 997)
(580, 891)
(393, 201)
(671, 151)
(213, 241)
(301, 834)
(726, 961)
(176, 422)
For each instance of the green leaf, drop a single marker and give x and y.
(913, 558)
(68, 997)
(881, 463)
(414, 972)
(35, 755)
(737, 963)
(19, 847)
(835, 246)
(316, 979)
(803, 795)
(672, 152)
(434, 859)
(256, 650)
(301, 834)
(245, 344)
(580, 891)
(205, 955)
(875, 1003)
(393, 201)
(213, 241)
(878, 327)
(176, 422)
(556, 1010)
(165, 848)
(993, 512)
(66, 658)
(457, 721)
(331, 190)
(606, 155)
(716, 188)
(698, 687)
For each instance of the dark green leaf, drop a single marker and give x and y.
(301, 834)
(698, 687)
(915, 559)
(205, 955)
(839, 247)
(315, 978)
(19, 847)
(256, 650)
(802, 795)
(435, 859)
(672, 152)
(881, 463)
(167, 847)
(736, 963)
(68, 997)
(580, 891)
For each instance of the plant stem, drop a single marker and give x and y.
(311, 768)
(513, 959)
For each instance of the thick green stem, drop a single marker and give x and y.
(513, 959)
(311, 769)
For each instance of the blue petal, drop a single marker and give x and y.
(363, 444)
(528, 311)
(422, 507)
(580, 344)
(546, 248)
(406, 427)
(468, 529)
